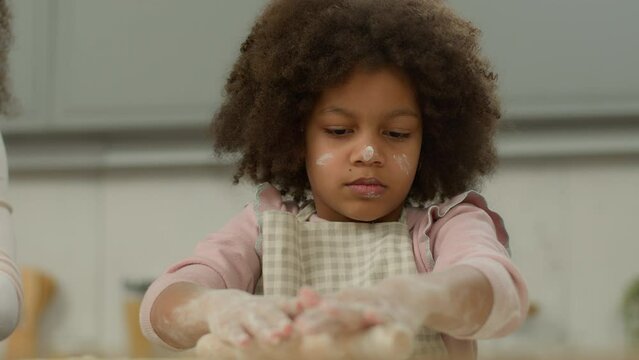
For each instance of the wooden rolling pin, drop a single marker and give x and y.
(39, 289)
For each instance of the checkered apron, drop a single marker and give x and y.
(330, 256)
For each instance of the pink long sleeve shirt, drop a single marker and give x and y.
(460, 231)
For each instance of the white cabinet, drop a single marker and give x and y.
(28, 64)
(107, 68)
(93, 64)
(561, 58)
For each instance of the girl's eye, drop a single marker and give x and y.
(397, 135)
(338, 131)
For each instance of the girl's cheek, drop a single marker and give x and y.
(403, 163)
(324, 159)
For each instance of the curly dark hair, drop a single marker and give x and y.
(5, 44)
(298, 48)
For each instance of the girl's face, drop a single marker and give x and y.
(363, 142)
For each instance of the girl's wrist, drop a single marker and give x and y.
(415, 293)
(214, 299)
(174, 314)
(188, 318)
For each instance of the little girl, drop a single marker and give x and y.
(366, 123)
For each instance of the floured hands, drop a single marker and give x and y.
(240, 318)
(365, 323)
(356, 309)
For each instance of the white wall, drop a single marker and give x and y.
(571, 221)
(572, 226)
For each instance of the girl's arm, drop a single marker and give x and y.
(468, 236)
(184, 312)
(226, 259)
(457, 300)
(454, 301)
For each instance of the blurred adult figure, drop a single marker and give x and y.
(10, 283)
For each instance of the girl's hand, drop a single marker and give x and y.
(235, 333)
(352, 310)
(242, 319)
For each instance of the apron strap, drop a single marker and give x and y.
(306, 211)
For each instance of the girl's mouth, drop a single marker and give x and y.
(369, 188)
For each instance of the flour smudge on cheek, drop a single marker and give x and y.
(402, 161)
(324, 159)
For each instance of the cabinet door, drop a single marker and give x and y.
(145, 63)
(561, 58)
(118, 64)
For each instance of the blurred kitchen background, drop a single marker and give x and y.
(112, 176)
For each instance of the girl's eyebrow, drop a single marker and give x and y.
(389, 115)
(402, 112)
(337, 110)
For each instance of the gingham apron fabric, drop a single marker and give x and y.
(330, 256)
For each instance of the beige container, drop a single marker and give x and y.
(39, 289)
(138, 345)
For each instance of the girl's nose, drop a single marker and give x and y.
(367, 154)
